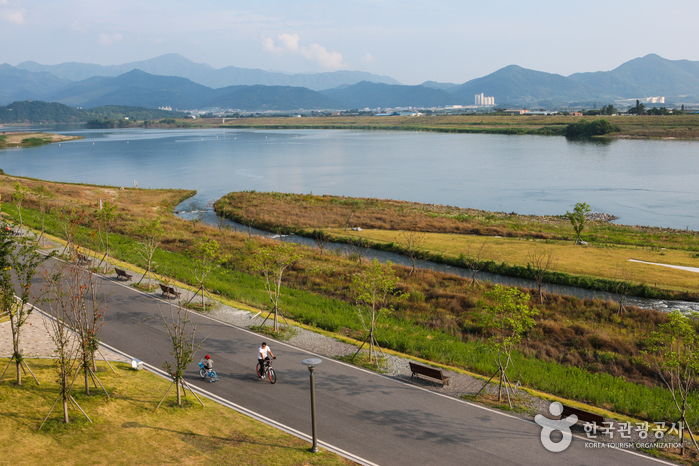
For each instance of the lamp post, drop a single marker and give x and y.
(312, 363)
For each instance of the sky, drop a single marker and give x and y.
(410, 41)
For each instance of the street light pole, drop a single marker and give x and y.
(312, 363)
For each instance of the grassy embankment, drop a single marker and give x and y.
(127, 430)
(669, 126)
(22, 139)
(501, 243)
(581, 349)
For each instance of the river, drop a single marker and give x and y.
(642, 182)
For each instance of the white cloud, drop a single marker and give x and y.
(289, 43)
(368, 58)
(106, 39)
(16, 16)
(315, 52)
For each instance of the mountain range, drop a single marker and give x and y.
(174, 81)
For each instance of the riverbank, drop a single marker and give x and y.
(580, 349)
(496, 242)
(30, 139)
(630, 126)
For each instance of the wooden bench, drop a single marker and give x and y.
(84, 260)
(168, 290)
(583, 416)
(428, 372)
(122, 274)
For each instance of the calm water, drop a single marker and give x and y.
(641, 182)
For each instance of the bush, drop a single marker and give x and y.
(586, 129)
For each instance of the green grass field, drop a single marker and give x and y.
(126, 429)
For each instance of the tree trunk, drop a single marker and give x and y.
(65, 409)
(19, 372)
(179, 394)
(87, 379)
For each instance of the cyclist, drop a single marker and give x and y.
(263, 355)
(209, 364)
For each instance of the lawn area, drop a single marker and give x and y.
(128, 430)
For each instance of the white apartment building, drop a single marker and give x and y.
(484, 101)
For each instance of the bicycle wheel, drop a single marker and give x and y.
(202, 373)
(272, 375)
(257, 369)
(214, 377)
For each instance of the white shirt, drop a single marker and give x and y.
(262, 352)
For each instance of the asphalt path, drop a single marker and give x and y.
(379, 419)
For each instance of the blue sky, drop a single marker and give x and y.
(411, 41)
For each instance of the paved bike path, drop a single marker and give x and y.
(382, 420)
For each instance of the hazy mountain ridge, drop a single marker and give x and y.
(140, 89)
(373, 95)
(511, 86)
(176, 65)
(646, 76)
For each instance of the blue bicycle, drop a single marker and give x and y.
(203, 372)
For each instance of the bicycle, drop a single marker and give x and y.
(268, 371)
(203, 373)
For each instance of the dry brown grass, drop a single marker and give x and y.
(572, 331)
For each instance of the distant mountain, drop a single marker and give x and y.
(647, 76)
(52, 112)
(436, 85)
(373, 95)
(273, 98)
(176, 65)
(516, 85)
(135, 88)
(138, 88)
(16, 84)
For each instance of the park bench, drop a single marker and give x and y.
(122, 274)
(84, 260)
(583, 416)
(168, 290)
(428, 372)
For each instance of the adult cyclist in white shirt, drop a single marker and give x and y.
(264, 353)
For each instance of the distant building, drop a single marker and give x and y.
(484, 101)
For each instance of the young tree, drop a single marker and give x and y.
(62, 298)
(271, 262)
(674, 352)
(86, 317)
(372, 290)
(507, 319)
(622, 286)
(413, 241)
(21, 259)
(322, 239)
(206, 256)
(360, 246)
(18, 197)
(540, 264)
(182, 333)
(150, 233)
(474, 259)
(577, 218)
(69, 220)
(105, 215)
(43, 195)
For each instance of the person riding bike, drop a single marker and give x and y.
(263, 355)
(208, 364)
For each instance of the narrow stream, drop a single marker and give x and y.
(189, 211)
